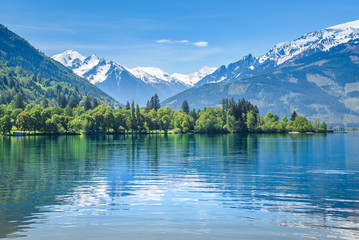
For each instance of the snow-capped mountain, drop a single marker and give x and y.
(109, 76)
(156, 75)
(321, 40)
(284, 53)
(124, 84)
(193, 78)
(93, 68)
(316, 75)
(151, 74)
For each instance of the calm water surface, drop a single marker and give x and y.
(180, 187)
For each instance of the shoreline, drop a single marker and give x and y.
(156, 133)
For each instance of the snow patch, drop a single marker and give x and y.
(353, 24)
(326, 84)
(320, 80)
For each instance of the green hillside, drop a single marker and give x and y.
(37, 75)
(34, 89)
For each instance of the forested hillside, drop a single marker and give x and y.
(33, 89)
(17, 52)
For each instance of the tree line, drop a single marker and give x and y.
(68, 117)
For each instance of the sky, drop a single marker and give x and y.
(176, 36)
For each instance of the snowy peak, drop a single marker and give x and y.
(193, 78)
(321, 40)
(151, 74)
(67, 58)
(93, 68)
(156, 75)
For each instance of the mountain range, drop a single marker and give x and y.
(316, 75)
(124, 84)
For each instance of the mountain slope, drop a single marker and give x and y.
(16, 51)
(323, 85)
(124, 84)
(284, 53)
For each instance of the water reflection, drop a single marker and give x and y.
(295, 184)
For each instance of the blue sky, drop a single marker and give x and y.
(177, 36)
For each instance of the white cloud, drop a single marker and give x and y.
(201, 44)
(163, 41)
(198, 44)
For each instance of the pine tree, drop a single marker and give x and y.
(293, 116)
(59, 99)
(185, 106)
(148, 106)
(73, 102)
(193, 114)
(45, 103)
(156, 102)
(87, 104)
(63, 103)
(133, 117)
(19, 101)
(95, 103)
(128, 107)
(5, 80)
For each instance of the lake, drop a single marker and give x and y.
(180, 187)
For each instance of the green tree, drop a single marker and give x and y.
(251, 121)
(193, 114)
(99, 121)
(185, 107)
(156, 102)
(36, 118)
(133, 117)
(19, 101)
(75, 125)
(293, 116)
(210, 121)
(59, 98)
(73, 102)
(51, 126)
(23, 121)
(166, 123)
(109, 120)
(128, 107)
(5, 124)
(87, 104)
(119, 121)
(45, 103)
(148, 106)
(14, 115)
(139, 119)
(323, 126)
(95, 103)
(231, 123)
(63, 102)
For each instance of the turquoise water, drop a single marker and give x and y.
(180, 187)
